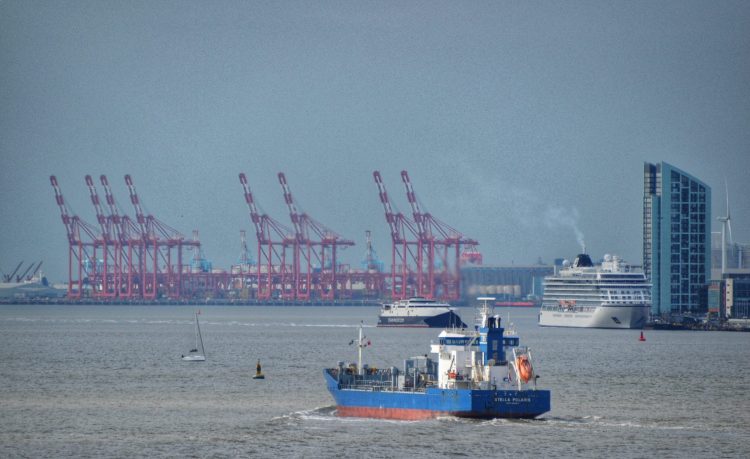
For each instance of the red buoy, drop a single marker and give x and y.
(642, 338)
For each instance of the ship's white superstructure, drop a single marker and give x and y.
(610, 295)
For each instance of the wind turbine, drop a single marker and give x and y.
(726, 222)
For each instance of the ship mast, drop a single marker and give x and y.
(359, 350)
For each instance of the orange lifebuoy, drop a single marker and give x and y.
(524, 368)
(452, 375)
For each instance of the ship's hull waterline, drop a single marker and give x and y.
(623, 317)
(435, 402)
(445, 320)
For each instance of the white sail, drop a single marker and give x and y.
(198, 353)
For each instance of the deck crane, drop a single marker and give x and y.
(80, 241)
(443, 244)
(405, 245)
(36, 270)
(9, 277)
(22, 277)
(276, 242)
(316, 249)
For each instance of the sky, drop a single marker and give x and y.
(523, 124)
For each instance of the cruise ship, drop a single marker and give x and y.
(419, 312)
(610, 295)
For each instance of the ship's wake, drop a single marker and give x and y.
(600, 421)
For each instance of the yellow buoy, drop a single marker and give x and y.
(258, 373)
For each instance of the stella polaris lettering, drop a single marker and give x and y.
(512, 400)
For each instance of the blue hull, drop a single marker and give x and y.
(484, 404)
(445, 320)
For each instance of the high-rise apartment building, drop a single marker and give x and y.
(676, 238)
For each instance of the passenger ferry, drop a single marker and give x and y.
(478, 373)
(419, 312)
(607, 296)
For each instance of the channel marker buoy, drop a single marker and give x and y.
(642, 338)
(258, 373)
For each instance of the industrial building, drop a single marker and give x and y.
(504, 282)
(676, 238)
(729, 297)
(736, 255)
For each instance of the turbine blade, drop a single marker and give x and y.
(726, 193)
(729, 224)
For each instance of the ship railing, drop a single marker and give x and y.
(375, 386)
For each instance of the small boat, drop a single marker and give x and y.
(194, 355)
(258, 373)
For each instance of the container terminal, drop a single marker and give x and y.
(137, 257)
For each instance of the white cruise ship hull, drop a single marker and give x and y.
(601, 317)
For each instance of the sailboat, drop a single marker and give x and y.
(194, 355)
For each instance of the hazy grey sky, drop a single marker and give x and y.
(516, 120)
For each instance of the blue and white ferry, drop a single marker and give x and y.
(480, 373)
(419, 312)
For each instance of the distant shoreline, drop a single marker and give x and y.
(204, 302)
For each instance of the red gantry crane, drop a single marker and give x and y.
(440, 252)
(81, 237)
(105, 278)
(127, 235)
(406, 246)
(315, 253)
(276, 242)
(157, 243)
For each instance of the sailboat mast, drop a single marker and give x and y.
(199, 337)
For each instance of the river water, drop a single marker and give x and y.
(107, 381)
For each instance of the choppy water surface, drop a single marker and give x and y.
(106, 381)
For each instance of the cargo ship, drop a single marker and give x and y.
(481, 373)
(419, 312)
